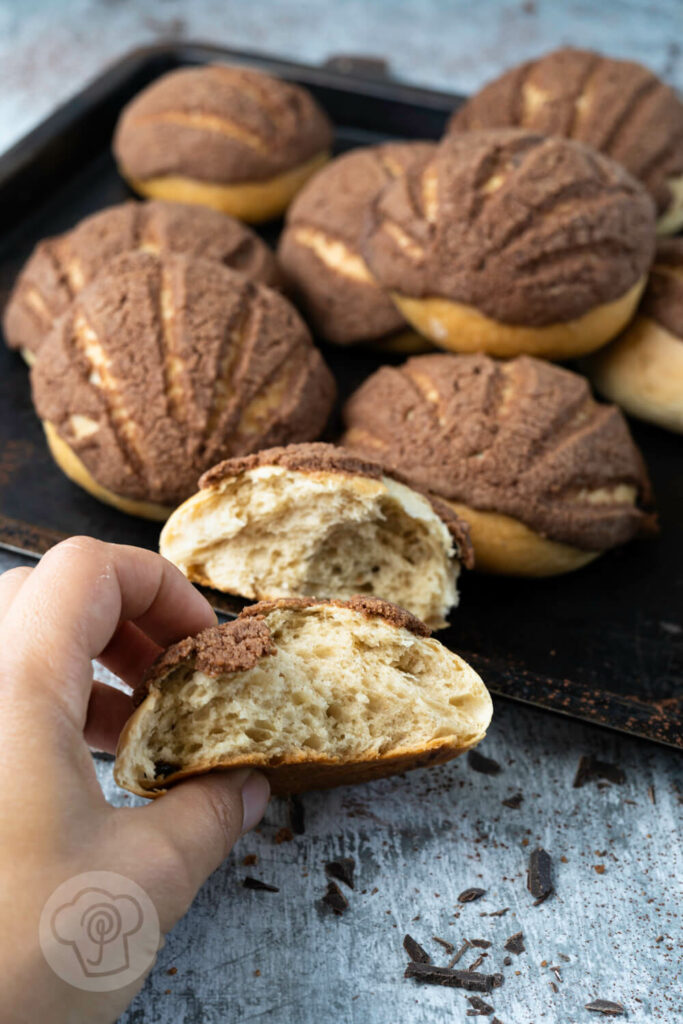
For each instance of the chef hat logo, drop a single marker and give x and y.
(99, 931)
(98, 925)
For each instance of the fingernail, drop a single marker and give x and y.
(255, 797)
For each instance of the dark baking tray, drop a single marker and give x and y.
(604, 644)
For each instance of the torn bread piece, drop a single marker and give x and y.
(313, 693)
(312, 520)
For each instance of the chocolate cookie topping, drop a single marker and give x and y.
(320, 248)
(60, 267)
(523, 438)
(526, 229)
(231, 647)
(616, 106)
(164, 365)
(663, 298)
(238, 645)
(328, 458)
(220, 124)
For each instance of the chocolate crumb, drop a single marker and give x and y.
(284, 835)
(257, 973)
(496, 1021)
(497, 913)
(554, 987)
(461, 952)
(590, 768)
(514, 801)
(515, 944)
(539, 875)
(415, 950)
(256, 883)
(250, 860)
(172, 970)
(469, 895)
(295, 808)
(335, 899)
(605, 1007)
(448, 946)
(480, 943)
(342, 869)
(468, 980)
(507, 960)
(479, 1007)
(485, 765)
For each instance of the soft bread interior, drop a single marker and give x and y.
(272, 532)
(340, 688)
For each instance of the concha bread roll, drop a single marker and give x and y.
(642, 370)
(617, 106)
(315, 694)
(320, 247)
(231, 138)
(313, 520)
(61, 267)
(510, 243)
(164, 366)
(545, 477)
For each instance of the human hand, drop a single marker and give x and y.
(120, 605)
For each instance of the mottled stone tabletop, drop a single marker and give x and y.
(612, 929)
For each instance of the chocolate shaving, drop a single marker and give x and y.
(479, 1007)
(335, 899)
(497, 913)
(295, 808)
(448, 946)
(458, 956)
(539, 875)
(605, 1007)
(415, 951)
(468, 980)
(480, 943)
(515, 944)
(342, 870)
(469, 895)
(256, 883)
(485, 765)
(477, 963)
(590, 769)
(514, 801)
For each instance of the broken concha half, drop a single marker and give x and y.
(313, 693)
(232, 138)
(313, 520)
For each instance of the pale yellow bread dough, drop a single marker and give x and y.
(71, 466)
(250, 201)
(642, 371)
(458, 327)
(507, 547)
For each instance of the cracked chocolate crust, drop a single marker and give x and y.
(239, 645)
(320, 247)
(61, 267)
(617, 106)
(219, 124)
(523, 438)
(163, 366)
(329, 458)
(528, 230)
(663, 298)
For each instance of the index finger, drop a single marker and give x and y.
(69, 608)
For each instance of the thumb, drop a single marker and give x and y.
(197, 823)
